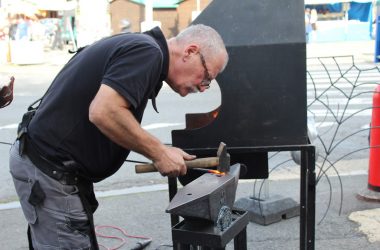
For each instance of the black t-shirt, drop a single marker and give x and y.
(133, 64)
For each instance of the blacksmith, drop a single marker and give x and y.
(89, 120)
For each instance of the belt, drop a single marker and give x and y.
(50, 168)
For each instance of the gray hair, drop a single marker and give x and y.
(208, 39)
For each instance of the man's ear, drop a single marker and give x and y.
(191, 49)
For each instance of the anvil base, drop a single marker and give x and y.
(191, 234)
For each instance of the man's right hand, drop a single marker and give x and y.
(172, 161)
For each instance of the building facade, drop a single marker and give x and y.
(173, 17)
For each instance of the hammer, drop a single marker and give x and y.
(222, 158)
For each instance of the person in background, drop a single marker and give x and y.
(13, 27)
(308, 27)
(313, 22)
(23, 32)
(89, 120)
(57, 42)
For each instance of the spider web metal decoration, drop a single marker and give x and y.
(339, 96)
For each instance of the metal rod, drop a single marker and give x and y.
(240, 240)
(303, 197)
(311, 189)
(307, 197)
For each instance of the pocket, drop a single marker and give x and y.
(74, 234)
(37, 195)
(24, 188)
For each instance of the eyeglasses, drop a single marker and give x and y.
(207, 80)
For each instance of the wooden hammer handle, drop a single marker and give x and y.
(207, 162)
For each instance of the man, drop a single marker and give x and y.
(89, 120)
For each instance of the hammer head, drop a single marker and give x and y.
(224, 158)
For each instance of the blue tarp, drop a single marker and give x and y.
(336, 7)
(360, 11)
(324, 8)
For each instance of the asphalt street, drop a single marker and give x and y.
(137, 202)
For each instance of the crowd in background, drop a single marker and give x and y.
(20, 27)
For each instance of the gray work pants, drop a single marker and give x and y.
(59, 220)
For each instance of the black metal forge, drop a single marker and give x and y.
(263, 89)
(191, 235)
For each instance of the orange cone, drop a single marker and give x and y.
(373, 192)
(374, 153)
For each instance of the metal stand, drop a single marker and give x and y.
(191, 235)
(307, 189)
(265, 209)
(270, 210)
